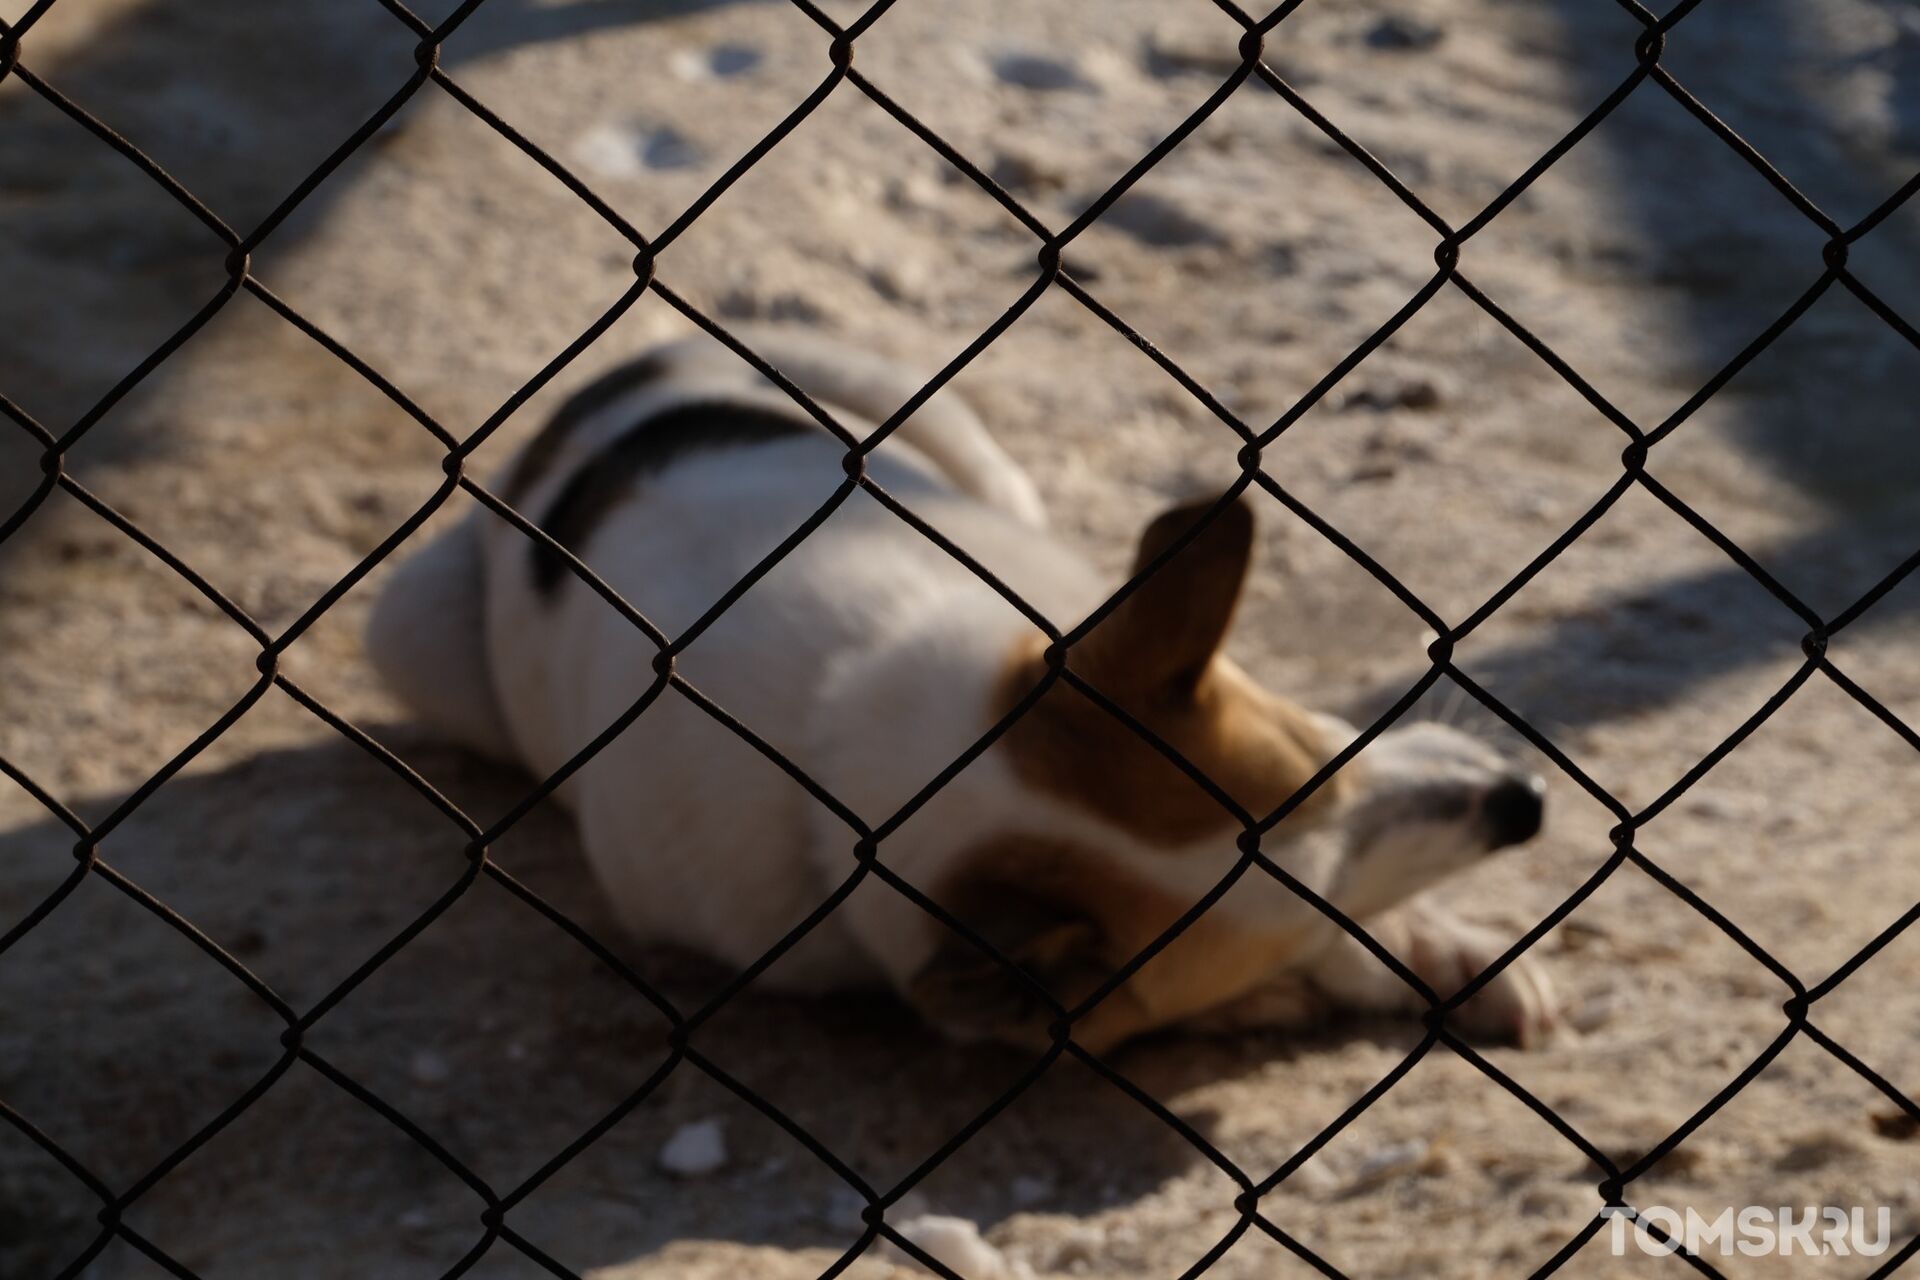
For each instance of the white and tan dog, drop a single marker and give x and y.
(872, 659)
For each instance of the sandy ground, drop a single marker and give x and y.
(1257, 256)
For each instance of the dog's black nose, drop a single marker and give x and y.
(1512, 811)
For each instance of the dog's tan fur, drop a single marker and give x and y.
(1063, 914)
(1257, 748)
(1158, 657)
(1067, 913)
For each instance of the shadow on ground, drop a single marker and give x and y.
(1719, 255)
(494, 1032)
(239, 102)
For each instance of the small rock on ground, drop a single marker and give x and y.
(957, 1245)
(695, 1150)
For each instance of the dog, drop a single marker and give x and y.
(872, 658)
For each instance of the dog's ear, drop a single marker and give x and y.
(1161, 638)
(971, 996)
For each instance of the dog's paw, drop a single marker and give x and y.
(1517, 1005)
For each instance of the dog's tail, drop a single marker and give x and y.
(427, 639)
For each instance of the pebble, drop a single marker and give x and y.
(623, 151)
(845, 1208)
(1594, 1012)
(695, 1150)
(608, 151)
(957, 1245)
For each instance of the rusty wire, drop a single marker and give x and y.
(866, 842)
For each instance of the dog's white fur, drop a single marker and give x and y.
(871, 658)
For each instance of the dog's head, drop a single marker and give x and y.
(1428, 801)
(1109, 840)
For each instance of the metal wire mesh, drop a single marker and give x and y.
(867, 843)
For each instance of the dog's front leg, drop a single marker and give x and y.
(1517, 1006)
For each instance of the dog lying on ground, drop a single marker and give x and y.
(872, 658)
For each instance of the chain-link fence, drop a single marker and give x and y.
(867, 842)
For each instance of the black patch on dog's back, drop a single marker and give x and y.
(642, 450)
(535, 460)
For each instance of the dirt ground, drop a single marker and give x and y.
(1257, 256)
